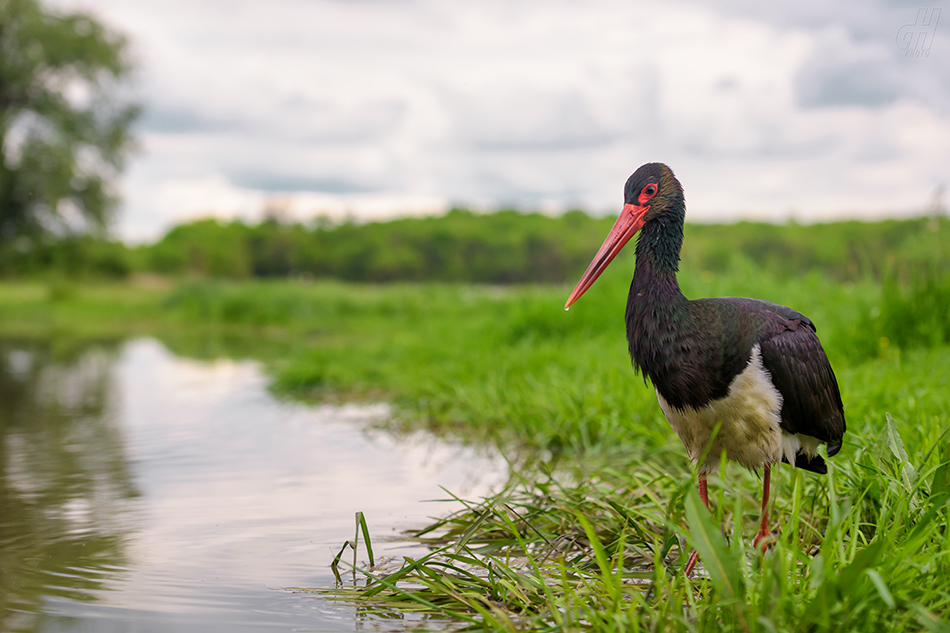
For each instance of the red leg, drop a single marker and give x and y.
(763, 534)
(704, 495)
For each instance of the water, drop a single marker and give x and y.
(140, 491)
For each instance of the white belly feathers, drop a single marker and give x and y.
(750, 414)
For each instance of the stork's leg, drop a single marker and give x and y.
(704, 495)
(763, 534)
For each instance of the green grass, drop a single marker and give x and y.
(600, 544)
(606, 554)
(593, 532)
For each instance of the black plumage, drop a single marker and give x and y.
(694, 352)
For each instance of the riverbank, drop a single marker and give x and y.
(867, 546)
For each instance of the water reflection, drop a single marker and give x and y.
(63, 477)
(153, 492)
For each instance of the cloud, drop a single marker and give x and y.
(841, 72)
(187, 199)
(857, 83)
(181, 120)
(283, 182)
(516, 117)
(760, 108)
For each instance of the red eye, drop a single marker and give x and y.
(646, 193)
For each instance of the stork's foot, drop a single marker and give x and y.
(691, 563)
(763, 540)
(704, 495)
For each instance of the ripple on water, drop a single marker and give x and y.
(156, 492)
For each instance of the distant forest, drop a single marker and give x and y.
(506, 247)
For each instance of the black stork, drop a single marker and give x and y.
(755, 367)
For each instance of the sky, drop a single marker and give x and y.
(370, 109)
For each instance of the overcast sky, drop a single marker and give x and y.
(809, 109)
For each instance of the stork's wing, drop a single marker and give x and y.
(801, 372)
(767, 306)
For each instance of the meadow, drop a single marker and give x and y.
(594, 528)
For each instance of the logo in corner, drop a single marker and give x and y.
(917, 38)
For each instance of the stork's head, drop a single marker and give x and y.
(650, 193)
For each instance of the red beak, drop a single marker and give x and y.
(627, 225)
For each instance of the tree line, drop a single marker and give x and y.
(505, 247)
(59, 157)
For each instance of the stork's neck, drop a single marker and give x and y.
(656, 308)
(658, 256)
(654, 287)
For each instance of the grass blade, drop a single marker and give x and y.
(361, 522)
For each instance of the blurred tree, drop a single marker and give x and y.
(64, 129)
